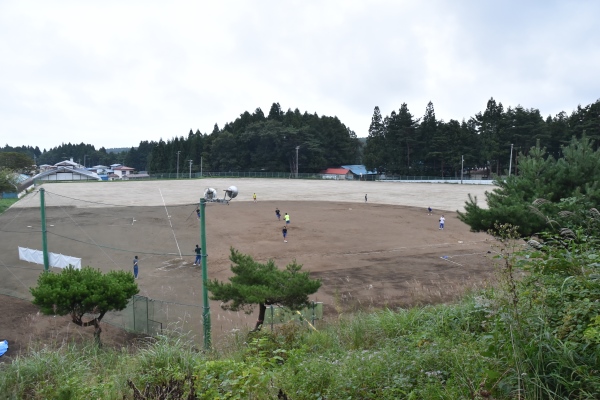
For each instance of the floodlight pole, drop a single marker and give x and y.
(44, 239)
(190, 168)
(462, 162)
(178, 163)
(206, 306)
(297, 147)
(510, 162)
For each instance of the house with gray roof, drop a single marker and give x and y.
(66, 170)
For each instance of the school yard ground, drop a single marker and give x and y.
(387, 252)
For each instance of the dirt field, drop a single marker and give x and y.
(386, 252)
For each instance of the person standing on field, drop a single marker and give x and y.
(284, 231)
(365, 197)
(287, 218)
(442, 221)
(429, 210)
(254, 197)
(278, 214)
(198, 251)
(135, 267)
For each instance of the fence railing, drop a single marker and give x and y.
(237, 174)
(151, 316)
(288, 175)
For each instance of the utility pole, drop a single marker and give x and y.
(462, 163)
(44, 239)
(206, 305)
(510, 162)
(190, 161)
(200, 166)
(297, 147)
(178, 163)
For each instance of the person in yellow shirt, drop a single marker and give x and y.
(254, 197)
(287, 218)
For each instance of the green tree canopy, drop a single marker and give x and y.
(17, 162)
(8, 180)
(84, 291)
(263, 284)
(544, 181)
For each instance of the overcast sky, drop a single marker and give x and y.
(113, 73)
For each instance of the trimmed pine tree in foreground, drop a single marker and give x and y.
(78, 292)
(263, 284)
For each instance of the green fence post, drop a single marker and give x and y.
(206, 306)
(44, 238)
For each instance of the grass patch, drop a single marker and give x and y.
(5, 203)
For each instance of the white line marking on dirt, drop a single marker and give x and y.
(170, 223)
(446, 258)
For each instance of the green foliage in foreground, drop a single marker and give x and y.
(533, 335)
(6, 203)
(83, 292)
(575, 176)
(255, 283)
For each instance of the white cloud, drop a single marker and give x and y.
(115, 73)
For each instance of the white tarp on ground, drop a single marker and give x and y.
(55, 260)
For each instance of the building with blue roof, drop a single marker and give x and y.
(360, 172)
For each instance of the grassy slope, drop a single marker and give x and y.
(5, 203)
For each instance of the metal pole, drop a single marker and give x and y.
(206, 306)
(200, 166)
(178, 163)
(190, 168)
(510, 162)
(44, 239)
(462, 163)
(297, 147)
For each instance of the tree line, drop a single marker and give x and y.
(401, 144)
(397, 144)
(253, 142)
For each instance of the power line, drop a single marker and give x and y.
(109, 257)
(27, 268)
(118, 249)
(29, 231)
(19, 213)
(112, 205)
(16, 277)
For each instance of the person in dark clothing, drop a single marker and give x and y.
(198, 251)
(135, 267)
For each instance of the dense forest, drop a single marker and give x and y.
(398, 144)
(405, 145)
